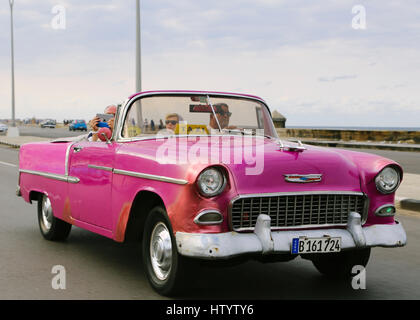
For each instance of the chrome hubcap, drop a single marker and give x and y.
(161, 251)
(47, 214)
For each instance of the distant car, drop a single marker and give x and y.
(48, 124)
(78, 125)
(3, 127)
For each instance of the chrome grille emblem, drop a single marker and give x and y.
(303, 178)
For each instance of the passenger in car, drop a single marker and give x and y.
(92, 136)
(171, 121)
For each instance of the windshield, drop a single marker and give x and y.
(197, 115)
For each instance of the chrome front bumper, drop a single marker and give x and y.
(265, 241)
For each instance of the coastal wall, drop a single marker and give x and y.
(352, 135)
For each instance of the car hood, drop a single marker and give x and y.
(337, 172)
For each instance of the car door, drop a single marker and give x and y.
(91, 198)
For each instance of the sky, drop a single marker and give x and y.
(319, 63)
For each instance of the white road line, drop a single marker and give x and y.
(8, 164)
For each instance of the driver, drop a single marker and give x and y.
(223, 116)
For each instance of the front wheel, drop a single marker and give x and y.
(163, 265)
(51, 228)
(340, 265)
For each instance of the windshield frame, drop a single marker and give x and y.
(118, 133)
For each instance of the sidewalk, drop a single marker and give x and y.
(406, 197)
(16, 142)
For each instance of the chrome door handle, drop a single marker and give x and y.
(77, 149)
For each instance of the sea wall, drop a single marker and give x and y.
(352, 135)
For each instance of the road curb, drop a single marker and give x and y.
(13, 145)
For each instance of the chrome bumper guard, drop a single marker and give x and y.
(265, 241)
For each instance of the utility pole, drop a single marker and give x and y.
(14, 130)
(138, 48)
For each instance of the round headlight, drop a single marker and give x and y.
(388, 180)
(211, 182)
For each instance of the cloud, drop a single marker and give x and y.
(301, 56)
(336, 78)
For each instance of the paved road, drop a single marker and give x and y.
(48, 132)
(98, 268)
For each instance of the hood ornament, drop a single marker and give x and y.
(299, 148)
(303, 178)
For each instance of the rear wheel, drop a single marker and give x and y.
(340, 265)
(51, 228)
(164, 267)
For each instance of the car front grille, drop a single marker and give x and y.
(297, 210)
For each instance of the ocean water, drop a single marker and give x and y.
(356, 128)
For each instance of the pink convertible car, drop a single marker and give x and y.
(204, 175)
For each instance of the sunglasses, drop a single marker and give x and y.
(173, 122)
(222, 113)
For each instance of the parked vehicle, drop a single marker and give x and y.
(78, 125)
(216, 184)
(48, 124)
(3, 127)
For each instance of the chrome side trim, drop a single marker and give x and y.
(54, 176)
(150, 176)
(100, 168)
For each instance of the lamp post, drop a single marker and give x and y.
(14, 130)
(138, 48)
(13, 63)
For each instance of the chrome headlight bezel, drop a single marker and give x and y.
(215, 172)
(384, 186)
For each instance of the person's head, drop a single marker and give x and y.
(222, 114)
(111, 110)
(171, 121)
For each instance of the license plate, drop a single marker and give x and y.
(316, 245)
